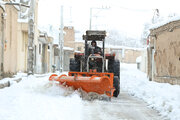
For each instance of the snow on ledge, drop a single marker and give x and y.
(123, 47)
(23, 20)
(166, 21)
(77, 51)
(68, 48)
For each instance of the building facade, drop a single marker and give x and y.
(10, 41)
(164, 53)
(125, 54)
(69, 37)
(14, 43)
(130, 55)
(43, 54)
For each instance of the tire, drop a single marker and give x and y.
(116, 85)
(114, 67)
(74, 65)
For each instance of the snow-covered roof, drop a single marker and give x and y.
(69, 27)
(2, 3)
(77, 51)
(52, 31)
(64, 48)
(122, 47)
(79, 41)
(165, 21)
(68, 48)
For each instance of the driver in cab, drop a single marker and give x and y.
(95, 49)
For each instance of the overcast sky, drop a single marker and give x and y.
(127, 16)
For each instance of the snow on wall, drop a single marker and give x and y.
(165, 21)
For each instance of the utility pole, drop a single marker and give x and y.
(155, 16)
(30, 66)
(61, 43)
(2, 43)
(90, 19)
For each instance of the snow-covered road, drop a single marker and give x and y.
(35, 98)
(124, 107)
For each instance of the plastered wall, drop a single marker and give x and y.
(167, 53)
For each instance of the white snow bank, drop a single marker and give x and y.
(38, 99)
(160, 96)
(13, 80)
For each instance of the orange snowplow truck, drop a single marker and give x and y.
(93, 70)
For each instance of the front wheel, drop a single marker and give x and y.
(114, 67)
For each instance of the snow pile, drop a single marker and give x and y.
(20, 75)
(91, 96)
(37, 99)
(68, 91)
(15, 79)
(160, 96)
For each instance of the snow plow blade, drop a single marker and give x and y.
(101, 83)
